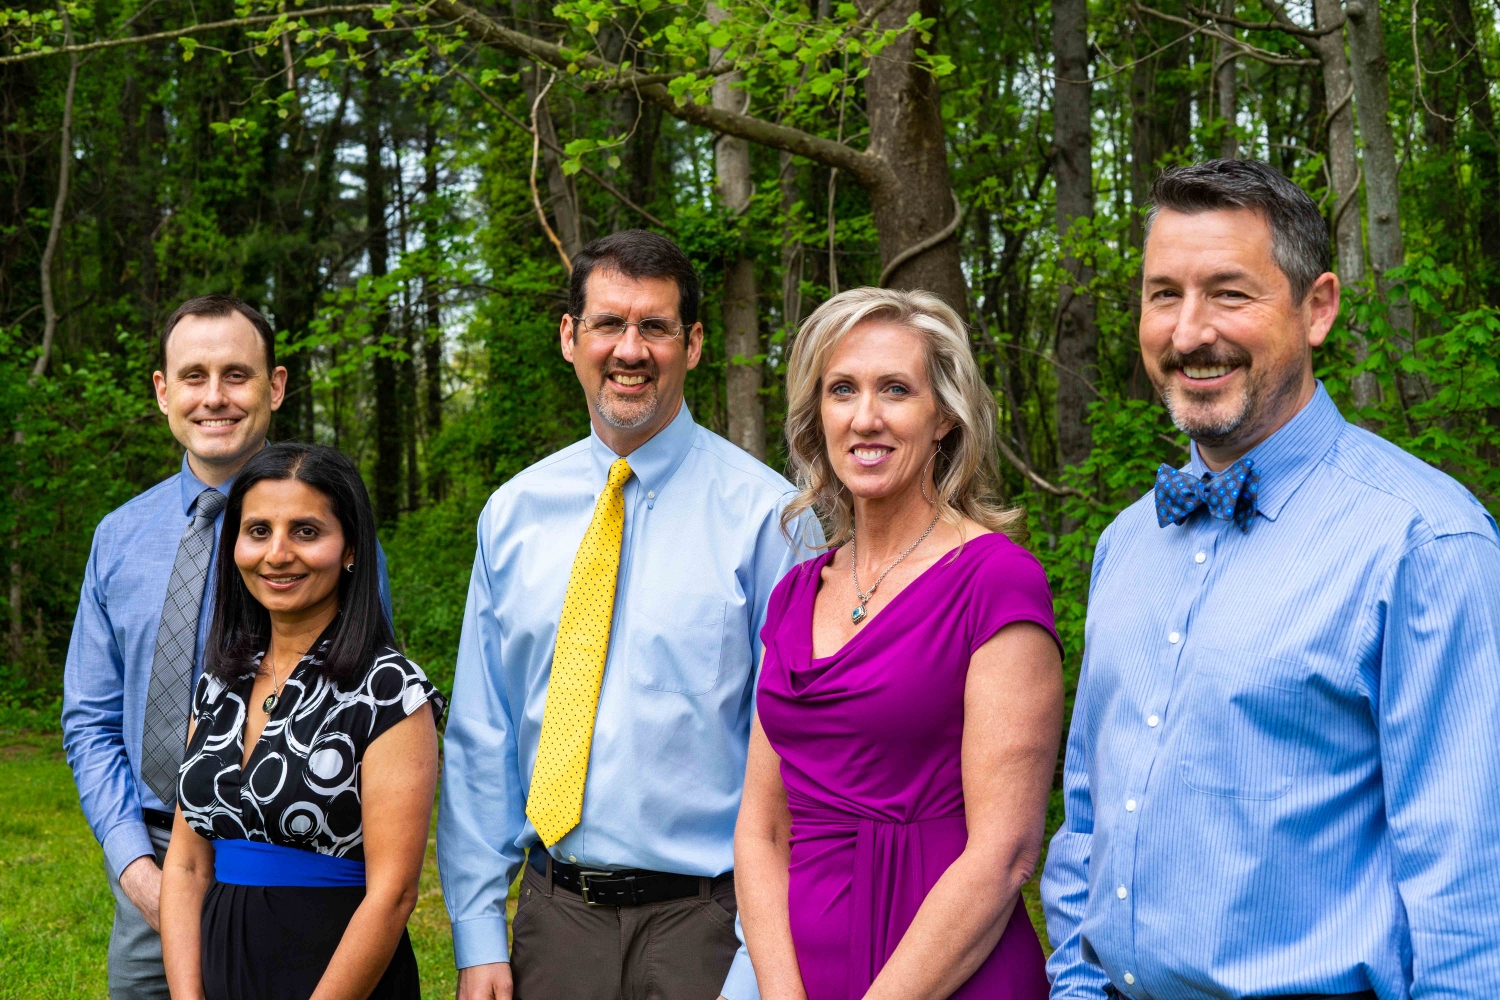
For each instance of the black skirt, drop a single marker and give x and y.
(274, 943)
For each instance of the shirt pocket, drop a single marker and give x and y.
(1243, 718)
(676, 642)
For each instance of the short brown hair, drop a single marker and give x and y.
(217, 306)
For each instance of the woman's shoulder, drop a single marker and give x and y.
(393, 678)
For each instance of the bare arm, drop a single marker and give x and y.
(185, 877)
(1013, 704)
(398, 776)
(762, 857)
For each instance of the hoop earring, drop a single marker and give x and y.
(349, 568)
(923, 481)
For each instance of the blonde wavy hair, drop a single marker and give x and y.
(966, 471)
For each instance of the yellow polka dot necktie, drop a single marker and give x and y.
(562, 754)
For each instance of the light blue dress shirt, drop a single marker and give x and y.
(702, 550)
(1282, 768)
(108, 671)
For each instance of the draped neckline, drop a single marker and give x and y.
(815, 668)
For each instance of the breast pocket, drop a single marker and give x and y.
(1244, 719)
(676, 642)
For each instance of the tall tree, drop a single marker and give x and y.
(1073, 171)
(388, 451)
(1226, 80)
(734, 186)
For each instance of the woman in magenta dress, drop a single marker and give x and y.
(910, 700)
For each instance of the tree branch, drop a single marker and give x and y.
(1036, 479)
(192, 29)
(606, 185)
(54, 234)
(1252, 51)
(924, 245)
(536, 198)
(868, 169)
(1282, 23)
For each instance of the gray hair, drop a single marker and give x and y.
(1299, 233)
(965, 471)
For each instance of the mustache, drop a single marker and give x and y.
(1208, 356)
(644, 368)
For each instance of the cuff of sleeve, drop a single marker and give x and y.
(480, 942)
(125, 843)
(740, 984)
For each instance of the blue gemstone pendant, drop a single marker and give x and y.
(859, 614)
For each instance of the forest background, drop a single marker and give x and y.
(400, 187)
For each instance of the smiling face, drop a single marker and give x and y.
(217, 393)
(291, 549)
(634, 385)
(880, 415)
(1224, 343)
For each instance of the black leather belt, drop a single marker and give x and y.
(627, 887)
(157, 818)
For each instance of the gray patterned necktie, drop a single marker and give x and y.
(165, 735)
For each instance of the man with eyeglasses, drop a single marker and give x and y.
(603, 691)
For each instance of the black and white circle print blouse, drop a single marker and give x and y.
(301, 786)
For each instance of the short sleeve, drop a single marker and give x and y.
(781, 598)
(397, 687)
(1008, 586)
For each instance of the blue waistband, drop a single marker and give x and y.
(251, 862)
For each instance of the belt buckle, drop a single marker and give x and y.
(583, 884)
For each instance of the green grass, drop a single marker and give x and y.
(56, 907)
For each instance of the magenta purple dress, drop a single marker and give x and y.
(870, 740)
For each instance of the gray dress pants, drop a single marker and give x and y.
(135, 969)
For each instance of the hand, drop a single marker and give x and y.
(485, 982)
(141, 881)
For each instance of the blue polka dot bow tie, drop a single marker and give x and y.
(1230, 495)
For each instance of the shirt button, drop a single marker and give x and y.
(1129, 979)
(572, 859)
(1174, 638)
(1130, 805)
(1153, 721)
(652, 496)
(1200, 557)
(1122, 892)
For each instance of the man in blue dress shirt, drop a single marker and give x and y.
(700, 550)
(1282, 762)
(144, 610)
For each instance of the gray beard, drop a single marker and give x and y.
(1262, 394)
(620, 418)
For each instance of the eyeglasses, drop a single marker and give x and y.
(605, 325)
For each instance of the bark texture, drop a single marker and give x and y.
(1227, 81)
(906, 134)
(734, 186)
(1372, 100)
(1072, 168)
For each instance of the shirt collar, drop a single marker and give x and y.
(1285, 458)
(655, 461)
(191, 486)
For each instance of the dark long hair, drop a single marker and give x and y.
(242, 627)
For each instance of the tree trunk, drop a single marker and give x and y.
(1483, 144)
(1227, 80)
(1072, 158)
(432, 333)
(906, 133)
(561, 192)
(792, 261)
(734, 186)
(387, 404)
(1372, 99)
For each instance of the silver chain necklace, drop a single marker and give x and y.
(860, 614)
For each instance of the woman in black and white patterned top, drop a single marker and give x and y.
(306, 790)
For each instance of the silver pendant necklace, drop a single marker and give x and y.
(274, 698)
(860, 614)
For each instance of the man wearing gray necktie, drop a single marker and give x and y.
(144, 610)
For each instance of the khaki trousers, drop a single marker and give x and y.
(565, 949)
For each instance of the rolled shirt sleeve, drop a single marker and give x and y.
(93, 726)
(483, 811)
(1439, 699)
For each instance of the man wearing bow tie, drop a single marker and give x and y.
(1282, 759)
